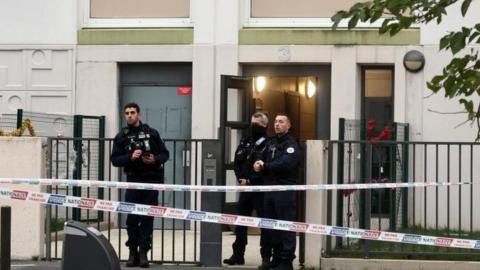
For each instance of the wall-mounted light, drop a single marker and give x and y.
(414, 61)
(311, 89)
(260, 83)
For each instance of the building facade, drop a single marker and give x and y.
(75, 57)
(91, 56)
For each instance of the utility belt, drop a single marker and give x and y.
(144, 176)
(275, 180)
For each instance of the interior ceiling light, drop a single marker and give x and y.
(311, 89)
(260, 83)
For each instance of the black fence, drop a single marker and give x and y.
(56, 125)
(174, 241)
(439, 211)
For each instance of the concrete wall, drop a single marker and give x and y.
(25, 158)
(316, 201)
(37, 55)
(28, 22)
(97, 76)
(211, 54)
(38, 78)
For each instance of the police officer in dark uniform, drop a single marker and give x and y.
(248, 151)
(280, 165)
(140, 150)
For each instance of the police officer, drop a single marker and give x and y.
(248, 151)
(280, 165)
(140, 150)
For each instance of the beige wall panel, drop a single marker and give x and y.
(11, 70)
(139, 8)
(25, 158)
(134, 53)
(99, 80)
(50, 69)
(10, 101)
(50, 103)
(298, 8)
(273, 53)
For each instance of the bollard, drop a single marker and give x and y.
(5, 237)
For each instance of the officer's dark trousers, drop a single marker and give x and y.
(140, 228)
(281, 205)
(247, 202)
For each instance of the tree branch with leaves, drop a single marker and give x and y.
(461, 77)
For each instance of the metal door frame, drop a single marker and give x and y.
(240, 83)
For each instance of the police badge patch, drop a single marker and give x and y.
(290, 150)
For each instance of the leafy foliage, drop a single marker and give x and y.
(461, 77)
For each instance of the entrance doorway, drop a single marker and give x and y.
(303, 92)
(158, 88)
(294, 96)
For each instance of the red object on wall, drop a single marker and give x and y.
(386, 133)
(370, 128)
(184, 90)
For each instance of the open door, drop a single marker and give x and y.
(236, 107)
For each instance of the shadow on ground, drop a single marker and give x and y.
(29, 265)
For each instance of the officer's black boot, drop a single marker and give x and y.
(284, 265)
(143, 262)
(235, 260)
(133, 258)
(267, 264)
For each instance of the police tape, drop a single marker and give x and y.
(247, 188)
(202, 216)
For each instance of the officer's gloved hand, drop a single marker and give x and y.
(244, 181)
(148, 159)
(136, 154)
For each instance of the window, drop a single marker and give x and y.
(377, 111)
(137, 13)
(296, 13)
(297, 8)
(378, 95)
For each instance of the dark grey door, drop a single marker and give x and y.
(169, 113)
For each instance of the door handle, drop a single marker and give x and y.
(228, 144)
(186, 158)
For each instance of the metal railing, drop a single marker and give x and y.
(440, 211)
(174, 241)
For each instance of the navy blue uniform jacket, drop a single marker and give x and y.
(248, 151)
(137, 171)
(281, 160)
